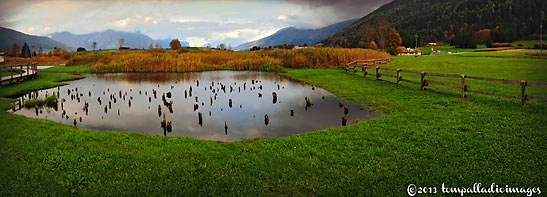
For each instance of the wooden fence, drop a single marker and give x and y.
(18, 71)
(463, 88)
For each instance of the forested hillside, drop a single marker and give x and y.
(442, 20)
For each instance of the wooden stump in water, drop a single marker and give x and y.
(168, 94)
(292, 112)
(274, 95)
(159, 110)
(226, 127)
(200, 119)
(266, 120)
(344, 120)
(230, 103)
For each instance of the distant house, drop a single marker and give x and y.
(124, 48)
(402, 51)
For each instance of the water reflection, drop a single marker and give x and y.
(293, 108)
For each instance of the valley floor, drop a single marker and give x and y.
(424, 138)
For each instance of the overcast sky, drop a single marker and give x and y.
(198, 22)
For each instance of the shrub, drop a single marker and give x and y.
(520, 44)
(497, 44)
(183, 50)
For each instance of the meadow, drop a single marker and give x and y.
(424, 138)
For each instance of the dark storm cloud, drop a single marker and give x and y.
(344, 8)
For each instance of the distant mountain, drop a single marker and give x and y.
(108, 39)
(291, 35)
(9, 36)
(440, 20)
(164, 43)
(228, 42)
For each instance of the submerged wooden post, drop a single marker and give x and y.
(523, 93)
(422, 81)
(365, 71)
(377, 73)
(463, 86)
(398, 76)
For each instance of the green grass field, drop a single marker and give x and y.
(68, 69)
(527, 44)
(424, 138)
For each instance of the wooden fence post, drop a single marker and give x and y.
(398, 76)
(11, 72)
(364, 71)
(523, 92)
(422, 81)
(21, 70)
(463, 86)
(377, 73)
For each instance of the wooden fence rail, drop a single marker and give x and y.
(423, 83)
(18, 71)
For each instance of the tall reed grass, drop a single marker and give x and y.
(39, 60)
(269, 60)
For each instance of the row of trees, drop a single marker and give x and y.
(26, 52)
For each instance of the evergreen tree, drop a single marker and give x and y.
(25, 52)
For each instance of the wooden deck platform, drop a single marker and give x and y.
(17, 71)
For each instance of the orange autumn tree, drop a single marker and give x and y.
(175, 44)
(373, 45)
(395, 39)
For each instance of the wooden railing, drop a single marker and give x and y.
(463, 88)
(17, 71)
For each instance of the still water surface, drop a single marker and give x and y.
(128, 104)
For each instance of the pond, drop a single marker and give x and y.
(216, 105)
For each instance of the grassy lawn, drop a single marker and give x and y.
(7, 73)
(42, 81)
(447, 48)
(68, 69)
(527, 44)
(424, 138)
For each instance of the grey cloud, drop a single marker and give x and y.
(346, 8)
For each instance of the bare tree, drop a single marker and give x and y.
(151, 46)
(94, 45)
(222, 46)
(121, 42)
(229, 47)
(157, 45)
